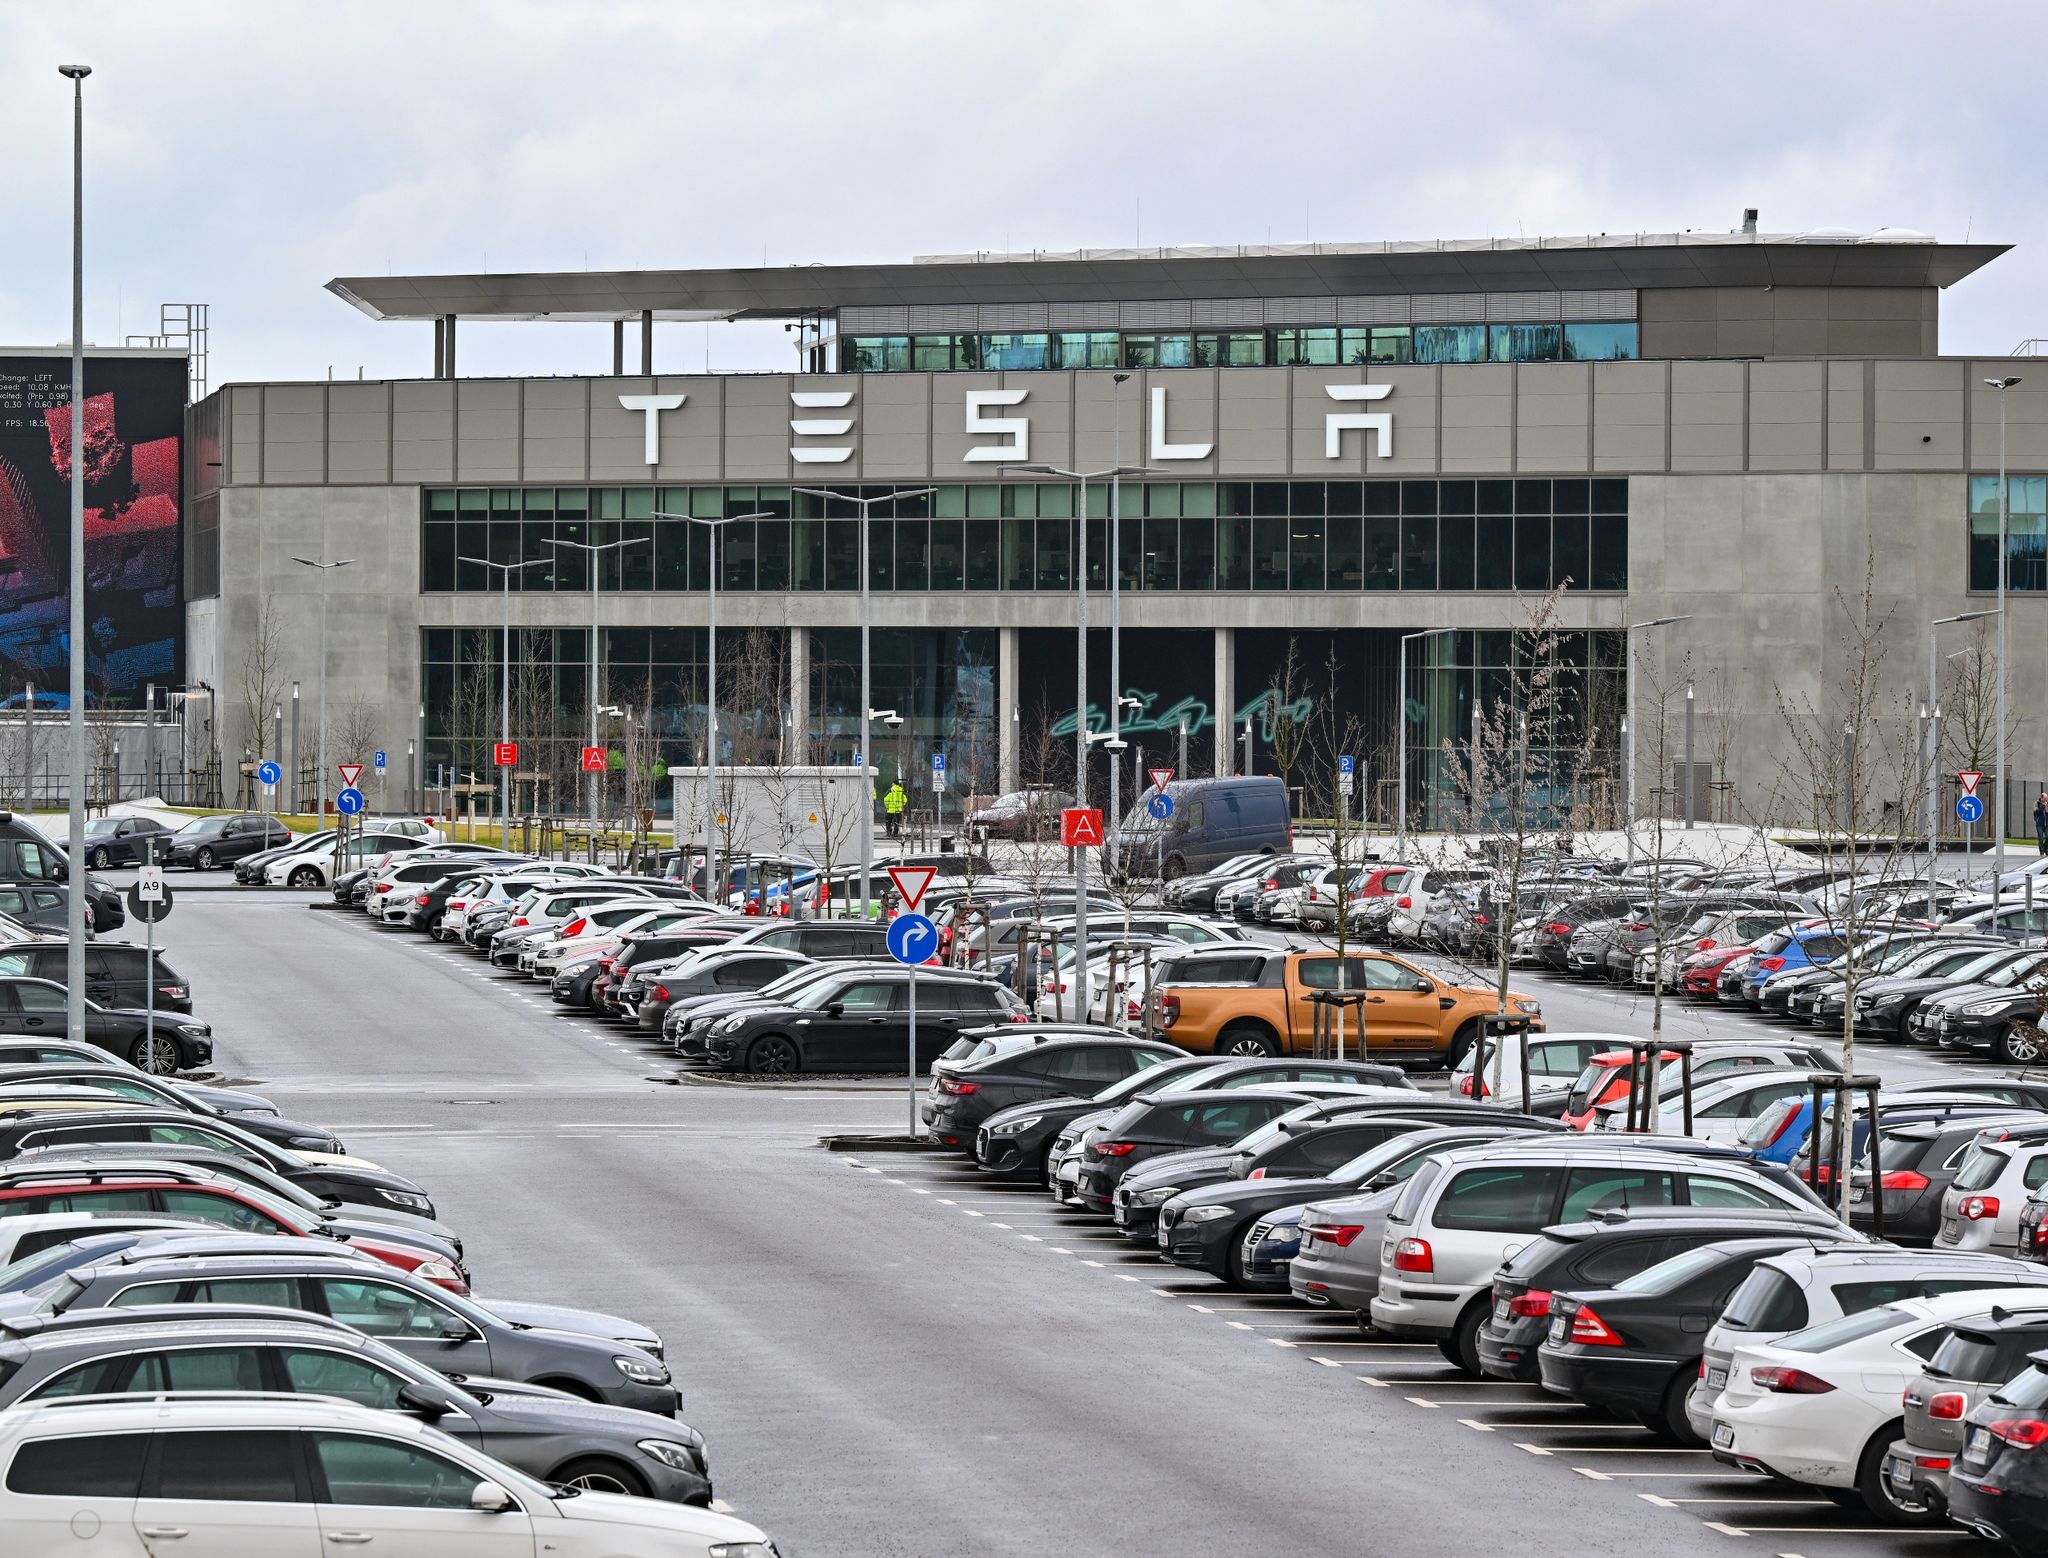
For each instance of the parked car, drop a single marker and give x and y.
(1031, 813)
(1994, 1488)
(1607, 1075)
(856, 1020)
(206, 842)
(966, 1093)
(1016, 1141)
(263, 1476)
(116, 973)
(1886, 1003)
(162, 1044)
(1212, 820)
(47, 1048)
(2002, 1167)
(1555, 1062)
(1145, 1128)
(121, 841)
(137, 1086)
(1978, 1357)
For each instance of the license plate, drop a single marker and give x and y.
(1724, 1437)
(1899, 1473)
(1980, 1444)
(1120, 1217)
(1860, 1193)
(1559, 1330)
(1500, 1312)
(1716, 1378)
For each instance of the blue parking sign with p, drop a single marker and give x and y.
(378, 762)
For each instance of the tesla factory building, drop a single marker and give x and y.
(1329, 448)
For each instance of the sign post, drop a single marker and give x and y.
(912, 939)
(149, 900)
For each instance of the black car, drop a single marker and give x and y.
(1013, 1142)
(858, 1020)
(820, 939)
(249, 869)
(1061, 1068)
(1551, 940)
(1602, 1252)
(170, 1042)
(218, 841)
(655, 946)
(1638, 1351)
(294, 1135)
(1918, 1161)
(1998, 1487)
(136, 1128)
(1282, 1148)
(121, 841)
(116, 973)
(1939, 1019)
(1886, 1006)
(1210, 1227)
(1147, 1128)
(714, 971)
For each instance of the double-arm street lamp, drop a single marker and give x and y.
(1401, 739)
(2001, 385)
(505, 572)
(320, 785)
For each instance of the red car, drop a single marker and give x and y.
(243, 1208)
(1698, 974)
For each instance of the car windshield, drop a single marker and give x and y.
(1155, 1079)
(1396, 1159)
(795, 980)
(2026, 1390)
(1764, 1129)
(2013, 973)
(101, 825)
(32, 1270)
(200, 826)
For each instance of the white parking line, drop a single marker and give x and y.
(1775, 1503)
(1602, 1449)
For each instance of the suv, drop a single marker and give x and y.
(254, 1474)
(819, 939)
(116, 974)
(147, 1350)
(35, 1008)
(1977, 1357)
(1606, 1077)
(1065, 1065)
(1463, 1214)
(857, 1019)
(1790, 1292)
(207, 842)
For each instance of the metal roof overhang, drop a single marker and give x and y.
(796, 291)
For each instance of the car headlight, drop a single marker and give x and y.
(641, 1371)
(730, 1025)
(1205, 1214)
(1014, 1127)
(678, 1456)
(406, 1201)
(1155, 1196)
(436, 1271)
(314, 1144)
(1531, 1008)
(1986, 1008)
(742, 1550)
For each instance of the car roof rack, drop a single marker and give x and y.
(156, 1316)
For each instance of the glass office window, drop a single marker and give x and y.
(913, 554)
(1304, 347)
(1159, 351)
(772, 555)
(1450, 343)
(1532, 552)
(2026, 523)
(1097, 545)
(1198, 499)
(1198, 552)
(1456, 561)
(1055, 554)
(807, 553)
(1162, 554)
(1031, 349)
(1493, 548)
(1019, 501)
(1376, 343)
(1233, 552)
(1233, 349)
(1130, 540)
(1418, 551)
(1269, 552)
(1346, 561)
(1306, 537)
(945, 353)
(1381, 548)
(1598, 342)
(1526, 342)
(954, 564)
(984, 502)
(1087, 349)
(1610, 552)
(1020, 555)
(1571, 557)
(878, 354)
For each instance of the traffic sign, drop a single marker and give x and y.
(269, 773)
(147, 911)
(938, 770)
(593, 760)
(1969, 779)
(1345, 765)
(1080, 826)
(912, 939)
(1160, 806)
(349, 802)
(378, 760)
(912, 882)
(1969, 808)
(149, 884)
(350, 773)
(1161, 777)
(505, 754)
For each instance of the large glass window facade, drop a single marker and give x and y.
(2026, 539)
(1290, 345)
(1529, 534)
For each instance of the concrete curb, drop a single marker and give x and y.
(878, 1144)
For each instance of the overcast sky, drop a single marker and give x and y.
(241, 154)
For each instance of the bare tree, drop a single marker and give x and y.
(1969, 707)
(1329, 736)
(260, 686)
(1289, 709)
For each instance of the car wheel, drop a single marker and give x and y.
(304, 876)
(1672, 1422)
(155, 1053)
(597, 1474)
(1174, 869)
(1875, 1490)
(773, 1056)
(205, 858)
(1461, 1347)
(1245, 1041)
(2017, 1045)
(1461, 1044)
(101, 859)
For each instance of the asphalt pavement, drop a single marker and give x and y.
(888, 1356)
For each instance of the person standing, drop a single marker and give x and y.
(2041, 822)
(893, 803)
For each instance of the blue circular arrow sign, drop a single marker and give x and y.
(349, 802)
(269, 773)
(912, 938)
(1160, 806)
(1969, 808)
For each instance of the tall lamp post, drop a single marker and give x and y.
(1081, 738)
(1932, 715)
(505, 572)
(2004, 568)
(867, 758)
(74, 899)
(1628, 714)
(711, 689)
(320, 786)
(596, 549)
(1401, 740)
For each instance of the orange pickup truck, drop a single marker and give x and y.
(1256, 1002)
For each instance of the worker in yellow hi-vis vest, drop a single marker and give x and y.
(893, 803)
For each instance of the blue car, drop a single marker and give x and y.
(1786, 952)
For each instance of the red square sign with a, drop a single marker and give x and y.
(505, 754)
(1080, 827)
(594, 760)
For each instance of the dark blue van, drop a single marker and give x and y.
(1212, 820)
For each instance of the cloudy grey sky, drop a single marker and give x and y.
(242, 152)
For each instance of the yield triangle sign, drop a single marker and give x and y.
(911, 882)
(350, 773)
(1969, 779)
(1161, 777)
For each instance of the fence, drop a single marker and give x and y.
(127, 757)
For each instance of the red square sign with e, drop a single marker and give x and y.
(593, 760)
(1080, 827)
(505, 754)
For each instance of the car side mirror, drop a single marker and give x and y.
(1379, 1182)
(454, 1329)
(835, 1008)
(1423, 987)
(487, 1498)
(415, 1397)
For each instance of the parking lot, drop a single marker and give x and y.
(888, 1353)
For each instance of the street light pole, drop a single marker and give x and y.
(1116, 605)
(1933, 803)
(595, 551)
(2004, 567)
(1629, 722)
(505, 572)
(324, 569)
(867, 826)
(74, 896)
(1401, 741)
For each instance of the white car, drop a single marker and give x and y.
(1822, 1405)
(1117, 1001)
(602, 926)
(1555, 1061)
(1723, 1108)
(227, 1476)
(1980, 1210)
